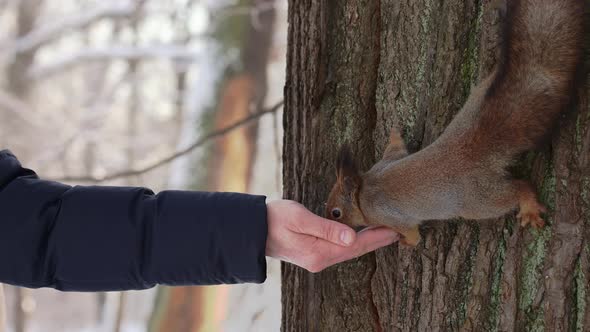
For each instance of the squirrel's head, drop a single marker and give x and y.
(343, 203)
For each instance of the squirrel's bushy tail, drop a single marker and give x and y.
(542, 56)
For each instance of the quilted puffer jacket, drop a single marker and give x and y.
(98, 238)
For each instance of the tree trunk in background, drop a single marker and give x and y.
(229, 169)
(357, 68)
(203, 308)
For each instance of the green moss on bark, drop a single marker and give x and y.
(531, 279)
(580, 294)
(496, 285)
(465, 281)
(581, 123)
(470, 65)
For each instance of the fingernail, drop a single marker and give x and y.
(346, 237)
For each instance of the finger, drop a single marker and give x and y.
(366, 242)
(377, 234)
(326, 229)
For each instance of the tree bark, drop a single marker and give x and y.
(357, 68)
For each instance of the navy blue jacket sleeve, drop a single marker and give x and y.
(98, 238)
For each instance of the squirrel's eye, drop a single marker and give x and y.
(336, 213)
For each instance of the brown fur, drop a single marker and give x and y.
(463, 173)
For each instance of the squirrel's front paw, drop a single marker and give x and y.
(530, 213)
(410, 237)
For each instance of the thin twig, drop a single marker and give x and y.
(199, 142)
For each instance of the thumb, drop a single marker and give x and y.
(328, 230)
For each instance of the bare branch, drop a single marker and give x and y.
(172, 52)
(199, 142)
(55, 29)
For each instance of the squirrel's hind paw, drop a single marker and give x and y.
(531, 214)
(530, 208)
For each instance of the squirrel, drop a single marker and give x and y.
(463, 174)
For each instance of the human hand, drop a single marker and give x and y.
(297, 236)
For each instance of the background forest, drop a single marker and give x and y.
(182, 94)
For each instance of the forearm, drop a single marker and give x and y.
(90, 238)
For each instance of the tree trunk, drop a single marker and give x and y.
(357, 68)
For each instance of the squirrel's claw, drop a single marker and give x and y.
(530, 208)
(532, 218)
(530, 213)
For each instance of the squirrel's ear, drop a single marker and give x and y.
(346, 170)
